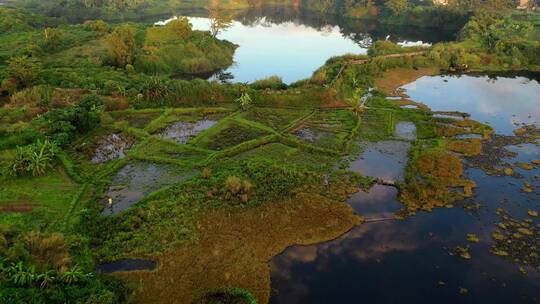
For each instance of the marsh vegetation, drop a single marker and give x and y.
(123, 180)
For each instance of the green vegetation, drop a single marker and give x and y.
(265, 165)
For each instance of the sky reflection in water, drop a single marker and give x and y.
(408, 261)
(290, 50)
(497, 102)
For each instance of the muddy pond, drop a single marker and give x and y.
(411, 260)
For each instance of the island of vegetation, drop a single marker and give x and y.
(109, 153)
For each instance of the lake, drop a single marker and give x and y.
(294, 46)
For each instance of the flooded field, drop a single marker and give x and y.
(136, 180)
(181, 131)
(112, 147)
(418, 259)
(383, 160)
(312, 135)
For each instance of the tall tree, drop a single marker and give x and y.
(121, 45)
(219, 21)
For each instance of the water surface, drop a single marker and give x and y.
(293, 44)
(409, 261)
(502, 102)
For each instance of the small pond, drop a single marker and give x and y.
(503, 102)
(312, 135)
(405, 130)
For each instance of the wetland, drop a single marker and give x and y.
(234, 152)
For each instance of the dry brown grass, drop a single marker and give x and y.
(235, 247)
(467, 147)
(395, 78)
(438, 172)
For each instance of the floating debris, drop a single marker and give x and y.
(527, 188)
(463, 290)
(524, 166)
(473, 238)
(532, 213)
(517, 240)
(463, 252)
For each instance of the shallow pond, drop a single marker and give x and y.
(181, 131)
(409, 261)
(136, 180)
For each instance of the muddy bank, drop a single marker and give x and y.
(234, 248)
(392, 80)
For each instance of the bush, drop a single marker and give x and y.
(23, 70)
(34, 96)
(272, 82)
(66, 123)
(383, 47)
(97, 26)
(33, 159)
(121, 46)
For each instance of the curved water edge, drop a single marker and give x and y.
(412, 257)
(265, 39)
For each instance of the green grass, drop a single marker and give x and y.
(50, 196)
(279, 152)
(277, 119)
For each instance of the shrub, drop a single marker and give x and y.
(64, 124)
(244, 101)
(383, 47)
(233, 184)
(23, 70)
(33, 159)
(272, 82)
(97, 26)
(121, 46)
(34, 96)
(206, 173)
